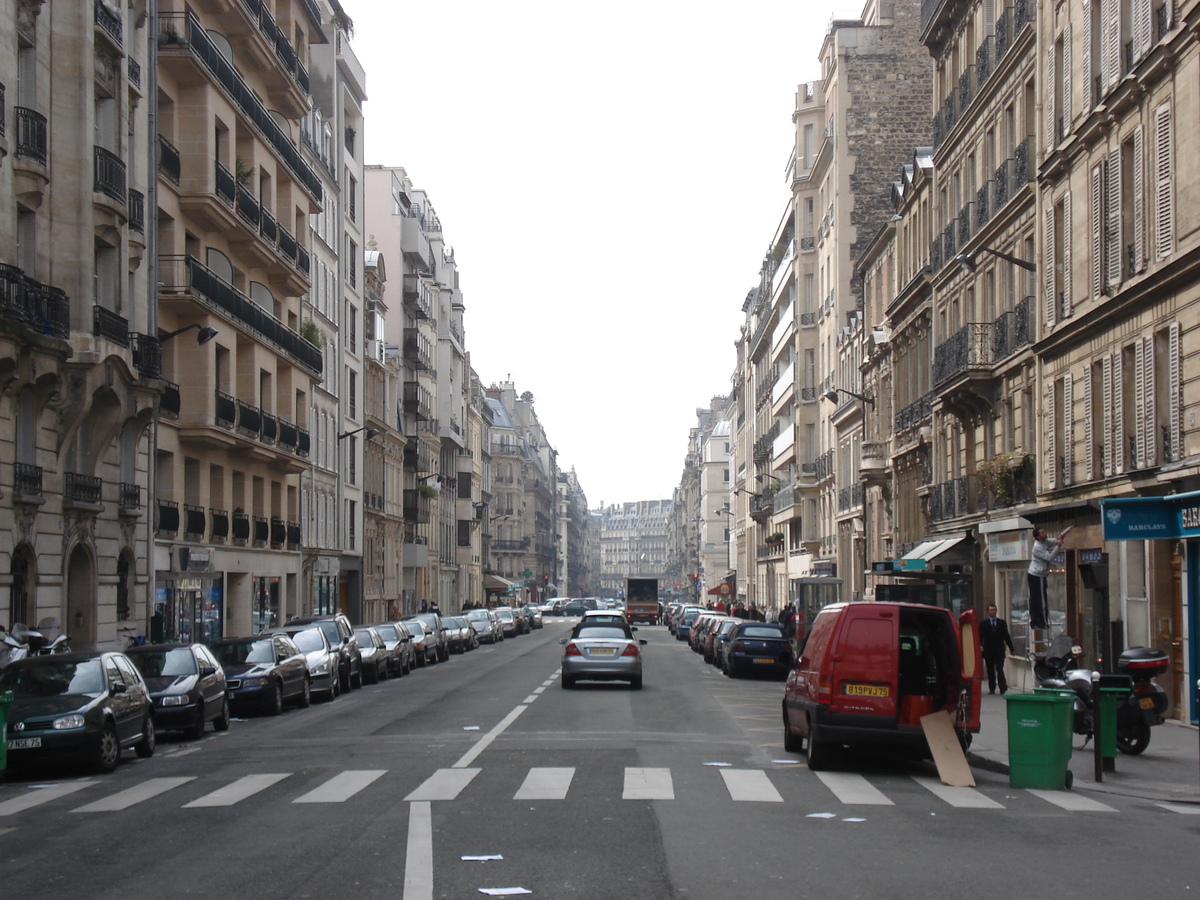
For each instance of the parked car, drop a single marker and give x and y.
(575, 608)
(465, 633)
(433, 622)
(424, 645)
(374, 654)
(340, 633)
(401, 656)
(85, 707)
(320, 656)
(721, 641)
(757, 647)
(508, 621)
(264, 672)
(868, 672)
(556, 606)
(535, 616)
(687, 618)
(187, 685)
(485, 625)
(602, 652)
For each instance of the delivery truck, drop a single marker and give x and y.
(641, 600)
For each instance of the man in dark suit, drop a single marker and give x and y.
(993, 634)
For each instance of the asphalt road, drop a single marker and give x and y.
(681, 789)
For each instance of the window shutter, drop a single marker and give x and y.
(1051, 449)
(1139, 405)
(1164, 211)
(1109, 418)
(1086, 76)
(1175, 391)
(1139, 202)
(1051, 305)
(1110, 48)
(1097, 226)
(1067, 80)
(1117, 431)
(1051, 131)
(1068, 449)
(1089, 447)
(1149, 402)
(1143, 14)
(1068, 259)
(1112, 225)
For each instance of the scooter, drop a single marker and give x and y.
(54, 639)
(1145, 706)
(13, 645)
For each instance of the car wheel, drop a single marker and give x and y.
(275, 706)
(444, 654)
(636, 683)
(567, 683)
(792, 742)
(820, 752)
(305, 699)
(108, 753)
(221, 722)
(344, 682)
(336, 690)
(197, 730)
(145, 747)
(356, 681)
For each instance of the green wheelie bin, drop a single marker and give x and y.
(1039, 739)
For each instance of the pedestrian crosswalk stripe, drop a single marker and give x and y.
(341, 787)
(38, 796)
(648, 784)
(236, 791)
(152, 787)
(750, 785)
(1071, 802)
(546, 784)
(1181, 808)
(853, 789)
(444, 784)
(960, 797)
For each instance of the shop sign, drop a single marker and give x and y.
(1143, 518)
(1009, 546)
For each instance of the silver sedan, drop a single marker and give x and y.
(606, 652)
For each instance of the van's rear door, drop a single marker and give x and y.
(971, 655)
(865, 666)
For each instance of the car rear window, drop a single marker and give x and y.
(762, 631)
(602, 631)
(308, 640)
(387, 632)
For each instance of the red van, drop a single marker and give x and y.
(868, 671)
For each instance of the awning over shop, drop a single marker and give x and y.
(497, 584)
(724, 589)
(918, 558)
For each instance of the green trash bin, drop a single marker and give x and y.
(5, 700)
(1039, 739)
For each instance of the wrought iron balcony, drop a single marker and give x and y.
(109, 170)
(1010, 331)
(169, 403)
(32, 140)
(110, 326)
(147, 355)
(27, 480)
(136, 204)
(968, 348)
(129, 496)
(110, 23)
(134, 68)
(45, 309)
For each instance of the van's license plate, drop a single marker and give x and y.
(24, 743)
(866, 690)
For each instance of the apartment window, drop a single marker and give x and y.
(352, 192)
(352, 450)
(26, 241)
(352, 263)
(108, 294)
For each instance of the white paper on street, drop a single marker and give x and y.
(821, 816)
(504, 892)
(482, 858)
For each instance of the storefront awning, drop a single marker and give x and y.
(497, 584)
(724, 589)
(920, 556)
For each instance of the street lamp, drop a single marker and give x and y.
(968, 260)
(371, 432)
(832, 397)
(205, 333)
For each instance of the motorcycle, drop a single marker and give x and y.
(14, 645)
(1145, 705)
(53, 638)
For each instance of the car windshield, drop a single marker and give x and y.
(415, 629)
(762, 631)
(604, 632)
(156, 663)
(257, 651)
(53, 677)
(308, 640)
(387, 632)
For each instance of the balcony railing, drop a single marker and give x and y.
(179, 274)
(135, 72)
(915, 413)
(1010, 331)
(129, 496)
(31, 134)
(262, 531)
(147, 355)
(218, 525)
(110, 23)
(968, 348)
(167, 518)
(169, 403)
(224, 73)
(110, 326)
(194, 521)
(278, 532)
(168, 160)
(109, 172)
(136, 204)
(27, 479)
(45, 309)
(241, 527)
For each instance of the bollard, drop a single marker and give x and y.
(1097, 753)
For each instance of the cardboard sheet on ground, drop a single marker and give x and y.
(947, 752)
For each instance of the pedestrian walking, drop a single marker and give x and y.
(1044, 549)
(993, 634)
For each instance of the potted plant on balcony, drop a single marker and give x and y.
(243, 172)
(427, 490)
(775, 538)
(312, 333)
(1002, 476)
(169, 34)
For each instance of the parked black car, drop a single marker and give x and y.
(264, 672)
(374, 654)
(433, 622)
(187, 685)
(322, 659)
(340, 633)
(85, 707)
(401, 655)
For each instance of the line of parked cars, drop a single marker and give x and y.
(735, 646)
(89, 707)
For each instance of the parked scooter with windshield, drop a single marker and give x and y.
(1145, 706)
(22, 641)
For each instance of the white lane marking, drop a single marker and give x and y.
(38, 796)
(960, 797)
(418, 861)
(444, 784)
(539, 690)
(484, 742)
(236, 791)
(152, 787)
(648, 784)
(341, 787)
(529, 699)
(1181, 808)
(851, 788)
(546, 784)
(750, 785)
(1071, 802)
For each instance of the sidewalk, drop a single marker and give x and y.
(1169, 769)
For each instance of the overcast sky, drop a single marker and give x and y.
(610, 176)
